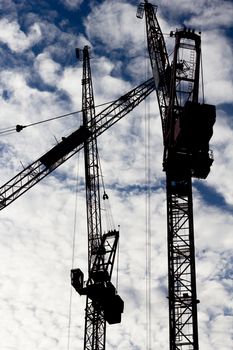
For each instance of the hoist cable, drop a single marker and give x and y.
(73, 249)
(7, 132)
(46, 120)
(118, 261)
(147, 217)
(148, 228)
(107, 207)
(19, 128)
(58, 117)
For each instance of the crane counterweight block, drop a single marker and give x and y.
(102, 294)
(65, 146)
(194, 127)
(189, 152)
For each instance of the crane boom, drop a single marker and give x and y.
(158, 57)
(72, 144)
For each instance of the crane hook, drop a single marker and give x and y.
(105, 196)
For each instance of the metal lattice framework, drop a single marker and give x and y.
(103, 304)
(181, 253)
(95, 324)
(91, 162)
(158, 58)
(36, 171)
(186, 155)
(181, 265)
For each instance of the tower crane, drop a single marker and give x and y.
(187, 127)
(103, 303)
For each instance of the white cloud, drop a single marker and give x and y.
(69, 82)
(116, 25)
(202, 14)
(15, 38)
(48, 69)
(72, 4)
(221, 174)
(213, 14)
(26, 105)
(222, 332)
(217, 57)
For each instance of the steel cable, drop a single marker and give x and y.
(73, 249)
(18, 127)
(147, 215)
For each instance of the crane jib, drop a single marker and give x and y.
(36, 171)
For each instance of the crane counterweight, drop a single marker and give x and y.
(65, 146)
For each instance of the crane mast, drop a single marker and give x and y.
(102, 301)
(95, 324)
(94, 228)
(187, 128)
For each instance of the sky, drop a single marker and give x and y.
(40, 78)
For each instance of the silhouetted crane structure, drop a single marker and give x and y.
(70, 145)
(187, 127)
(103, 303)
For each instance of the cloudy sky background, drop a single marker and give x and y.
(40, 78)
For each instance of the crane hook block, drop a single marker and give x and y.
(105, 196)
